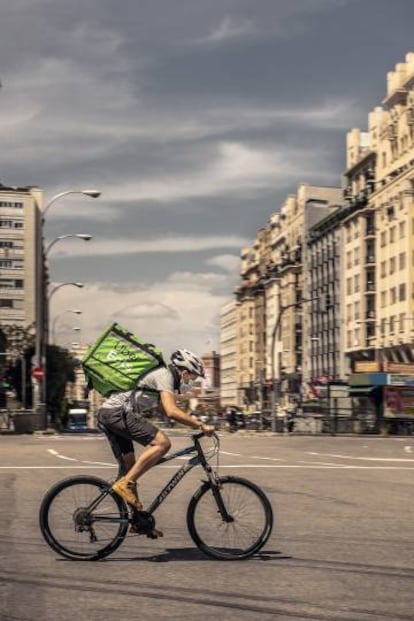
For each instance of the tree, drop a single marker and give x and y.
(17, 349)
(60, 369)
(14, 377)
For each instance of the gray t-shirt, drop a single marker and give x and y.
(160, 380)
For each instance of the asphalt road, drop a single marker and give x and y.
(342, 547)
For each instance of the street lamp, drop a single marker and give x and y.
(84, 236)
(276, 332)
(43, 382)
(68, 310)
(80, 285)
(41, 301)
(90, 193)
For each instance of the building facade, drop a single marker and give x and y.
(327, 288)
(228, 359)
(19, 255)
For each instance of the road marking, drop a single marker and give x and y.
(407, 449)
(56, 454)
(222, 467)
(99, 463)
(361, 458)
(268, 458)
(231, 454)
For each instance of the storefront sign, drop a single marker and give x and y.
(399, 368)
(395, 379)
(366, 366)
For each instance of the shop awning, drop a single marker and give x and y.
(360, 390)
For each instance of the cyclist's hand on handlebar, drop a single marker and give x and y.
(207, 429)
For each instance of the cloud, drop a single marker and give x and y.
(145, 310)
(228, 262)
(178, 311)
(228, 168)
(197, 280)
(229, 28)
(167, 243)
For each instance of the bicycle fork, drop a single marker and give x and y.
(216, 490)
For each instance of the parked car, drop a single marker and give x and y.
(258, 420)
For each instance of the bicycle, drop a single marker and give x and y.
(228, 518)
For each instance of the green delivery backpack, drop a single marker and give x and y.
(118, 360)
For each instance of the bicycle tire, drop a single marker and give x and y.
(210, 531)
(54, 522)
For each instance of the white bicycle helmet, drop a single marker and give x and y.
(185, 359)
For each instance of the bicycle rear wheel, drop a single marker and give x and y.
(249, 525)
(82, 519)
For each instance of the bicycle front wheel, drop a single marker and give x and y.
(81, 518)
(243, 529)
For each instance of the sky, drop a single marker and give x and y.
(195, 119)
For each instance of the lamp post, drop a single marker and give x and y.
(39, 401)
(276, 332)
(68, 310)
(84, 236)
(43, 381)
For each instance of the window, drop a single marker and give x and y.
(11, 204)
(392, 265)
(393, 295)
(402, 229)
(401, 322)
(6, 303)
(356, 283)
(6, 263)
(348, 285)
(6, 244)
(356, 311)
(402, 292)
(392, 234)
(356, 256)
(6, 283)
(384, 236)
(383, 299)
(383, 268)
(402, 261)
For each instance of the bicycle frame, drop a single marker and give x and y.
(198, 459)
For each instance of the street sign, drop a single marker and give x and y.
(38, 373)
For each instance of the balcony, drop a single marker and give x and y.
(370, 287)
(370, 259)
(370, 231)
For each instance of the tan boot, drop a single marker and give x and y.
(128, 491)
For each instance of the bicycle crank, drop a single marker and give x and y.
(142, 522)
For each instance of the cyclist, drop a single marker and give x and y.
(122, 416)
